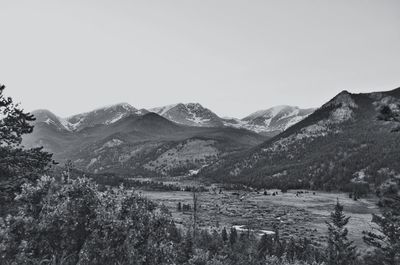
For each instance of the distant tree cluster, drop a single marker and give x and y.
(195, 188)
(113, 180)
(387, 114)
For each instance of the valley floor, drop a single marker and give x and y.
(301, 215)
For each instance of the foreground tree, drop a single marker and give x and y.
(265, 246)
(17, 165)
(386, 240)
(341, 250)
(75, 223)
(233, 236)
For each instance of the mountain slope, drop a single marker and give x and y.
(148, 145)
(354, 138)
(105, 115)
(49, 118)
(271, 121)
(191, 114)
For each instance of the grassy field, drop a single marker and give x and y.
(301, 215)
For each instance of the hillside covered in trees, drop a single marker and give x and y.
(351, 141)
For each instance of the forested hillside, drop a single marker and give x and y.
(353, 140)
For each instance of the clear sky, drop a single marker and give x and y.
(234, 57)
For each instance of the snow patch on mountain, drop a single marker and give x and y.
(115, 119)
(198, 120)
(294, 120)
(49, 118)
(194, 110)
(49, 121)
(343, 111)
(112, 143)
(92, 162)
(192, 114)
(162, 110)
(105, 115)
(67, 125)
(272, 120)
(271, 112)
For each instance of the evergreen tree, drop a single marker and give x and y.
(224, 235)
(291, 249)
(340, 249)
(233, 236)
(215, 244)
(279, 247)
(265, 246)
(185, 251)
(387, 241)
(17, 165)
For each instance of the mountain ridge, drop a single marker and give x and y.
(268, 122)
(349, 134)
(139, 144)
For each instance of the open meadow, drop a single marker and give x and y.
(294, 214)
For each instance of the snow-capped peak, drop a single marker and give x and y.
(271, 112)
(105, 115)
(46, 116)
(271, 121)
(192, 114)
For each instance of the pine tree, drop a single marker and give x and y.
(185, 251)
(387, 241)
(233, 236)
(341, 250)
(224, 235)
(17, 165)
(279, 247)
(265, 246)
(291, 250)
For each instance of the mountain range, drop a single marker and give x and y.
(267, 122)
(122, 139)
(351, 141)
(167, 140)
(271, 121)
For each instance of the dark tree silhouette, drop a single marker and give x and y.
(386, 240)
(224, 235)
(17, 164)
(340, 249)
(233, 236)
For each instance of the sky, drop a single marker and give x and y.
(233, 57)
